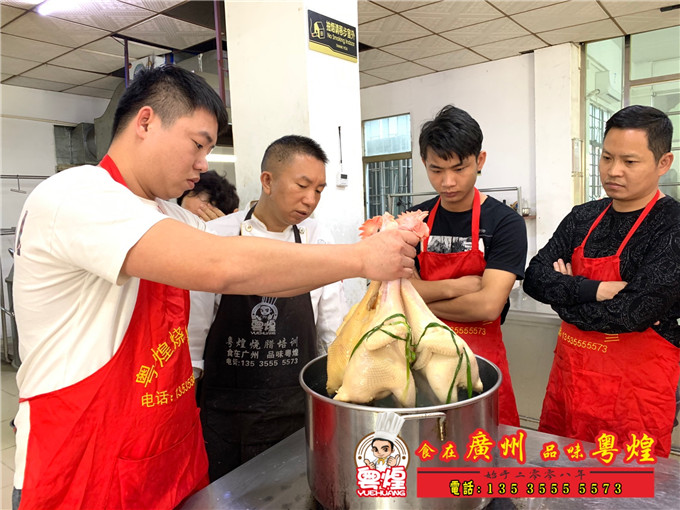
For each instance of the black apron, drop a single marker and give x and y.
(251, 397)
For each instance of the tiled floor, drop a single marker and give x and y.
(9, 400)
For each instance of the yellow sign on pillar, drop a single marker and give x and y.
(332, 37)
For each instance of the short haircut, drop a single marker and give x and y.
(653, 122)
(172, 92)
(221, 193)
(286, 147)
(452, 131)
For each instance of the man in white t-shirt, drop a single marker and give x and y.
(259, 344)
(107, 415)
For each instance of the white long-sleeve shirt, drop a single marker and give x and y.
(328, 302)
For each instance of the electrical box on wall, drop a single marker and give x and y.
(341, 180)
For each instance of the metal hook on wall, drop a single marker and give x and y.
(18, 188)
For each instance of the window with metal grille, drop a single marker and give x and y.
(597, 119)
(387, 164)
(642, 69)
(384, 179)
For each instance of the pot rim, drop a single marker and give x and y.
(400, 410)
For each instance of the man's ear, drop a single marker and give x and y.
(142, 120)
(481, 159)
(664, 163)
(266, 180)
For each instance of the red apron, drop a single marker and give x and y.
(621, 382)
(484, 337)
(128, 436)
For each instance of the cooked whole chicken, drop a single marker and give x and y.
(378, 364)
(442, 356)
(391, 326)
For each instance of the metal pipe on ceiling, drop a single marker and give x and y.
(218, 45)
(126, 63)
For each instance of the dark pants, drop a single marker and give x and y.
(677, 405)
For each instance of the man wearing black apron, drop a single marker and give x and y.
(250, 396)
(476, 248)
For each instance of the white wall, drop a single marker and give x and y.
(557, 106)
(268, 92)
(279, 86)
(499, 95)
(528, 123)
(27, 144)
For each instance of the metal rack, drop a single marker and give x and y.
(18, 178)
(6, 310)
(391, 197)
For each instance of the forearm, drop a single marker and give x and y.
(485, 304)
(546, 285)
(628, 311)
(181, 256)
(437, 290)
(468, 308)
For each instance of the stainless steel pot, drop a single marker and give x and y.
(338, 441)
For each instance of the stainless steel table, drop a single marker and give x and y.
(277, 480)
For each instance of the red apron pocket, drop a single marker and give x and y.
(165, 479)
(591, 401)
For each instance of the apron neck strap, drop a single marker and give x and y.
(107, 164)
(476, 207)
(635, 226)
(296, 230)
(640, 219)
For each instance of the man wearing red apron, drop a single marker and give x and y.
(613, 278)
(107, 416)
(109, 421)
(476, 248)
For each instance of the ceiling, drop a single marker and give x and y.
(81, 50)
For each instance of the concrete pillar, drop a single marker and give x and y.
(557, 86)
(280, 86)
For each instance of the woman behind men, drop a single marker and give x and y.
(213, 196)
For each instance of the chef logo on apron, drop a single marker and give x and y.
(382, 459)
(263, 317)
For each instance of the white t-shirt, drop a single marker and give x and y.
(328, 302)
(72, 306)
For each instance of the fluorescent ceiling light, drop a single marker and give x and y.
(221, 158)
(52, 6)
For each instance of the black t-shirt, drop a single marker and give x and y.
(502, 234)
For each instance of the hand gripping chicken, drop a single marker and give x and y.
(373, 352)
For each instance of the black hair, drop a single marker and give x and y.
(172, 92)
(653, 122)
(381, 439)
(451, 132)
(284, 148)
(222, 194)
